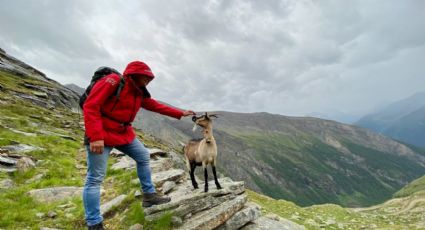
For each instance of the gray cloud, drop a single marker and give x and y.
(287, 57)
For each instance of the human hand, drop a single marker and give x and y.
(188, 113)
(97, 146)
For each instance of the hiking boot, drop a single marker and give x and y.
(98, 226)
(150, 199)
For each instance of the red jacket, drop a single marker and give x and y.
(104, 115)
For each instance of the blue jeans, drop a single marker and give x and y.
(96, 170)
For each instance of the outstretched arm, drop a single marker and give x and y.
(154, 106)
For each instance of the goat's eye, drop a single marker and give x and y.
(194, 118)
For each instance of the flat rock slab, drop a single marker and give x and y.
(169, 175)
(21, 148)
(267, 223)
(249, 213)
(216, 216)
(55, 193)
(185, 200)
(105, 208)
(9, 161)
(157, 152)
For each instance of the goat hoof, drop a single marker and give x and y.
(206, 190)
(219, 187)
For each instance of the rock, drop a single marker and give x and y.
(136, 227)
(52, 214)
(64, 206)
(170, 175)
(266, 223)
(55, 193)
(116, 153)
(157, 152)
(138, 193)
(161, 164)
(7, 169)
(249, 213)
(6, 184)
(105, 208)
(186, 201)
(40, 94)
(215, 216)
(8, 161)
(168, 186)
(21, 148)
(46, 132)
(23, 133)
(125, 162)
(176, 221)
(40, 215)
(24, 164)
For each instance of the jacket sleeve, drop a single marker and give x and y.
(100, 92)
(154, 106)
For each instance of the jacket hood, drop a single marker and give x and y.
(138, 68)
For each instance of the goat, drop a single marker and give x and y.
(203, 151)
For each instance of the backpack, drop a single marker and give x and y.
(99, 74)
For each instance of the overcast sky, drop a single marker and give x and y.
(286, 57)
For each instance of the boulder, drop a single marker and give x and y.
(169, 175)
(105, 208)
(24, 164)
(187, 201)
(55, 193)
(168, 186)
(6, 184)
(124, 162)
(216, 216)
(249, 213)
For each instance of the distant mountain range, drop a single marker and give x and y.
(305, 160)
(403, 120)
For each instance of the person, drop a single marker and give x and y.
(107, 122)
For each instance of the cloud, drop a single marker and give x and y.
(287, 57)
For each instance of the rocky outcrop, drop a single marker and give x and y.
(55, 194)
(226, 208)
(43, 91)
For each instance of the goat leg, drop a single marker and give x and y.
(192, 175)
(215, 178)
(206, 178)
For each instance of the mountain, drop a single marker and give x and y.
(75, 88)
(403, 120)
(304, 160)
(21, 80)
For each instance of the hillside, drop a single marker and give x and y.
(304, 160)
(402, 120)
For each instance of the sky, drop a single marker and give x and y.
(333, 59)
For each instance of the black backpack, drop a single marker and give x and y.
(99, 74)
